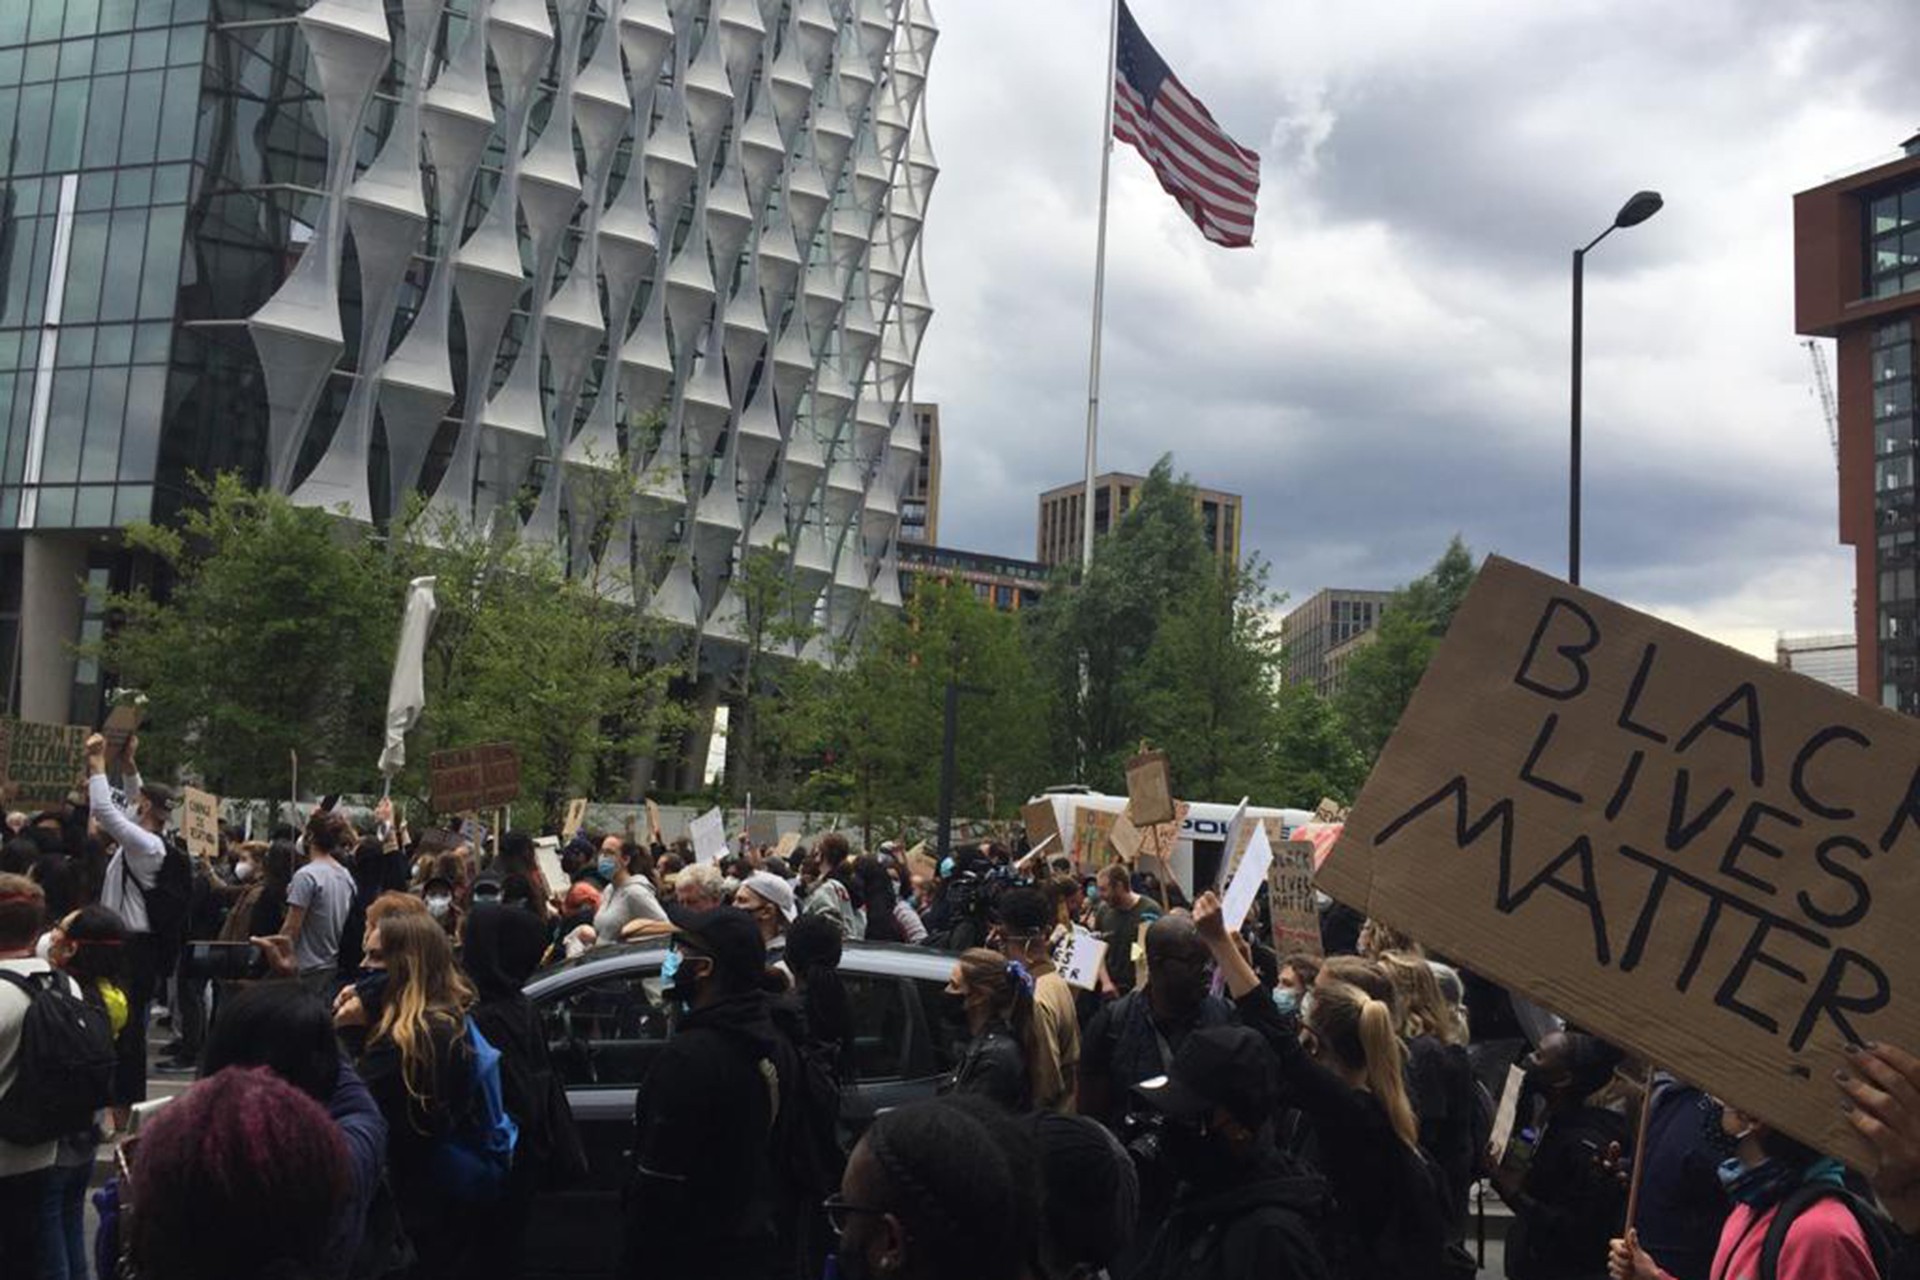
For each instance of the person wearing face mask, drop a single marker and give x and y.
(993, 996)
(1566, 1206)
(1023, 934)
(1242, 1208)
(628, 897)
(705, 1185)
(1791, 1209)
(442, 904)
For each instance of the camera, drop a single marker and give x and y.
(1144, 1136)
(223, 962)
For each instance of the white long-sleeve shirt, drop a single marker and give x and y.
(138, 858)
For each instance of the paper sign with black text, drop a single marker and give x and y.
(709, 835)
(200, 823)
(1698, 855)
(1296, 920)
(41, 763)
(1081, 957)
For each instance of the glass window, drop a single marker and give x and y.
(1893, 362)
(152, 343)
(19, 274)
(85, 262)
(9, 108)
(150, 49)
(93, 508)
(69, 115)
(606, 1034)
(56, 508)
(76, 347)
(117, 15)
(103, 122)
(114, 344)
(146, 399)
(143, 117)
(111, 54)
(121, 290)
(135, 187)
(165, 229)
(40, 62)
(30, 129)
(83, 17)
(76, 59)
(170, 184)
(95, 191)
(13, 23)
(183, 106)
(47, 18)
(100, 458)
(133, 502)
(66, 423)
(185, 46)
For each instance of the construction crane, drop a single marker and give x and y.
(1824, 385)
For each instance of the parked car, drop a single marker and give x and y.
(606, 1021)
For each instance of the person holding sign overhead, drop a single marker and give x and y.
(133, 873)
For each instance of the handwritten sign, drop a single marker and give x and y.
(200, 823)
(41, 763)
(474, 778)
(576, 818)
(1691, 852)
(788, 843)
(1081, 956)
(709, 835)
(1039, 821)
(120, 725)
(1125, 837)
(1150, 788)
(1091, 831)
(653, 821)
(1295, 915)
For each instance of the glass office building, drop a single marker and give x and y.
(473, 250)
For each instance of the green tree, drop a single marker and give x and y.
(277, 637)
(1381, 677)
(772, 624)
(1313, 755)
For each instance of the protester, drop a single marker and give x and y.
(418, 1062)
(930, 1193)
(1682, 1205)
(813, 953)
(1770, 1176)
(1343, 1066)
(25, 1169)
(87, 945)
(1090, 1197)
(1440, 1078)
(264, 873)
(702, 1199)
(1298, 972)
(888, 918)
(700, 887)
(628, 906)
(1136, 1037)
(1024, 936)
(520, 874)
(132, 875)
(243, 1176)
(1566, 1206)
(769, 900)
(1118, 920)
(319, 901)
(993, 998)
(1242, 1209)
(832, 893)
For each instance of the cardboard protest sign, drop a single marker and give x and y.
(1506, 1113)
(788, 843)
(1091, 828)
(1321, 835)
(653, 821)
(709, 835)
(474, 778)
(1125, 837)
(1691, 852)
(200, 823)
(1296, 917)
(576, 818)
(1039, 821)
(41, 763)
(120, 725)
(1247, 879)
(1150, 788)
(1081, 957)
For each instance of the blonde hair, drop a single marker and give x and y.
(1377, 938)
(424, 986)
(1008, 996)
(1359, 1032)
(1423, 1010)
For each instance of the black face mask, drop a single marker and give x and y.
(1714, 1138)
(1191, 1152)
(953, 1009)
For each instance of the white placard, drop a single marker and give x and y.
(709, 833)
(1504, 1115)
(1081, 960)
(546, 856)
(1252, 873)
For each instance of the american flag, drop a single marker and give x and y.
(1212, 177)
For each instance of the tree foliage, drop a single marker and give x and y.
(1381, 677)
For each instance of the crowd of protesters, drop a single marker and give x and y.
(373, 1094)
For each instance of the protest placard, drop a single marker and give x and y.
(200, 823)
(1295, 916)
(1081, 958)
(1149, 788)
(576, 817)
(1506, 1113)
(120, 725)
(1125, 837)
(1321, 835)
(709, 835)
(1091, 829)
(1247, 879)
(474, 778)
(1686, 850)
(41, 763)
(1039, 821)
(546, 856)
(653, 822)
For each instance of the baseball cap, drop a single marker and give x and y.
(774, 890)
(727, 934)
(159, 795)
(1228, 1067)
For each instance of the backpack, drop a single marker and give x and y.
(170, 902)
(1872, 1226)
(807, 1140)
(64, 1070)
(472, 1163)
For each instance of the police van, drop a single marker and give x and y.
(1203, 831)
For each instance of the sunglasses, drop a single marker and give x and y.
(839, 1210)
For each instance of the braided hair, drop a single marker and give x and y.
(952, 1182)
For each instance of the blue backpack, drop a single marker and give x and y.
(473, 1163)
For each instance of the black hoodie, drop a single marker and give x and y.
(1261, 1225)
(704, 1195)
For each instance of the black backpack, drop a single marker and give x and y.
(170, 902)
(807, 1130)
(1872, 1226)
(64, 1071)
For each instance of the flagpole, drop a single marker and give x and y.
(1099, 290)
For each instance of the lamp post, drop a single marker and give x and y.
(1635, 211)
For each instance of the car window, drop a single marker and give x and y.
(605, 1034)
(941, 1042)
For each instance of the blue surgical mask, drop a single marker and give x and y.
(669, 969)
(1286, 1000)
(946, 868)
(606, 867)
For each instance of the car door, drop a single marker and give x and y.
(900, 1052)
(604, 1032)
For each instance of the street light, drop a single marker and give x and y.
(1642, 206)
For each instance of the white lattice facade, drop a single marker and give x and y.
(682, 238)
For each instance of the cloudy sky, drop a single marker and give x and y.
(1388, 366)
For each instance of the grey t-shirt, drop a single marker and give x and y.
(325, 889)
(633, 900)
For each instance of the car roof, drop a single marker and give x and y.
(904, 959)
